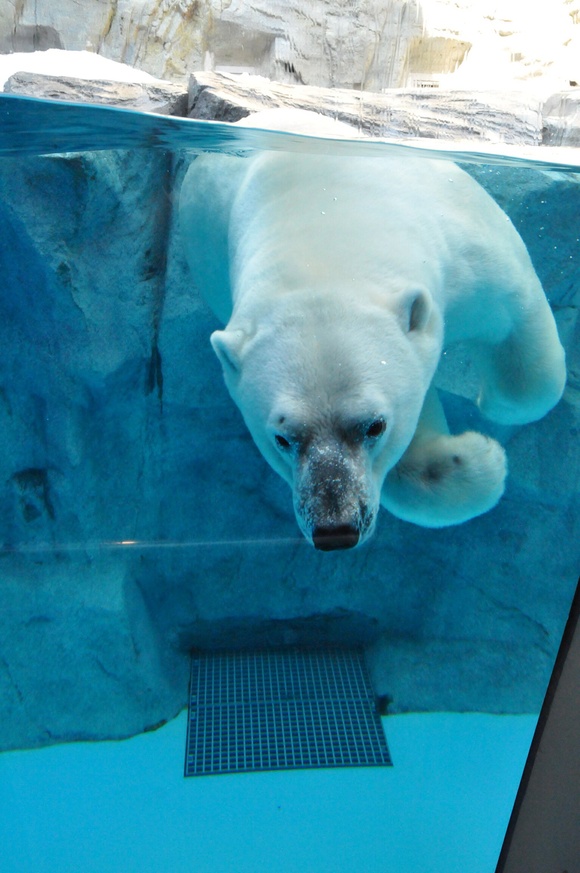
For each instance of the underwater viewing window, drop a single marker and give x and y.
(289, 416)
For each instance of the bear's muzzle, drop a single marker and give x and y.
(332, 497)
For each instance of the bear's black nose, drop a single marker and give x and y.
(337, 536)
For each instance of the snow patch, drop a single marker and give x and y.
(78, 65)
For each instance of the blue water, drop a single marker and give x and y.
(111, 807)
(138, 520)
(32, 127)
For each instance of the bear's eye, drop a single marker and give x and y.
(376, 428)
(281, 441)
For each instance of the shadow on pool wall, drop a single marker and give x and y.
(138, 519)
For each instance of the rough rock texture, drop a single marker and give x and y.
(83, 271)
(486, 116)
(453, 116)
(164, 98)
(137, 519)
(326, 43)
(450, 115)
(562, 119)
(372, 45)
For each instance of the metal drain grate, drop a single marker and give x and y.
(282, 709)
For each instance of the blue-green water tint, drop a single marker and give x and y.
(137, 519)
(34, 127)
(107, 807)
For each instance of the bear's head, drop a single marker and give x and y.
(331, 395)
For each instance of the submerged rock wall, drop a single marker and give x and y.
(83, 253)
(137, 519)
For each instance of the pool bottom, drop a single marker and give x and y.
(104, 807)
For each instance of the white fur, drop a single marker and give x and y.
(339, 280)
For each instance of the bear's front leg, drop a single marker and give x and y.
(523, 375)
(442, 479)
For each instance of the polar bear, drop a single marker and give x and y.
(340, 280)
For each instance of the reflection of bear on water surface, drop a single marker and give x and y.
(339, 280)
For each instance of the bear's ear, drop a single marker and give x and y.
(416, 310)
(228, 345)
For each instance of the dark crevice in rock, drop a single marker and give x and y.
(155, 372)
(337, 627)
(34, 491)
(155, 269)
(17, 690)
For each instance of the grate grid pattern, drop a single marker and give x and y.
(276, 709)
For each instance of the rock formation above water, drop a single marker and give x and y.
(470, 44)
(513, 118)
(164, 98)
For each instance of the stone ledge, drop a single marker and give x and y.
(163, 98)
(514, 118)
(397, 114)
(562, 119)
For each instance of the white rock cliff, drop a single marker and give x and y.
(333, 43)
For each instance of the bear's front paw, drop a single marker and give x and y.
(446, 480)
